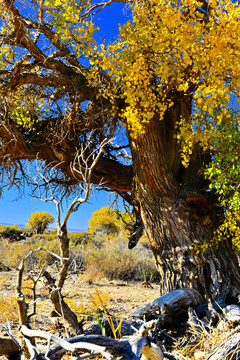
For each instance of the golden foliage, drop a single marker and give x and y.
(169, 48)
(39, 221)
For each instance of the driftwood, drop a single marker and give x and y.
(229, 349)
(130, 349)
(128, 327)
(164, 308)
(170, 304)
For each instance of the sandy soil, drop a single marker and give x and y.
(125, 297)
(122, 298)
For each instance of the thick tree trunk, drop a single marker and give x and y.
(214, 273)
(177, 212)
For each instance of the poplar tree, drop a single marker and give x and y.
(167, 90)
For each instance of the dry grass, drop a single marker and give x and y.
(113, 260)
(11, 253)
(8, 308)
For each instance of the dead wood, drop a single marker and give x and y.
(203, 309)
(229, 349)
(171, 303)
(128, 327)
(22, 306)
(135, 347)
(131, 348)
(60, 305)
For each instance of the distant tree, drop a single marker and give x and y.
(39, 221)
(104, 220)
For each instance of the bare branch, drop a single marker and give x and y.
(85, 161)
(72, 347)
(95, 8)
(84, 165)
(131, 348)
(48, 251)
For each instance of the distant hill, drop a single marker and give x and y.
(77, 230)
(21, 226)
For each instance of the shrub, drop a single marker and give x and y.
(8, 308)
(42, 258)
(10, 231)
(76, 238)
(12, 253)
(5, 229)
(115, 262)
(51, 235)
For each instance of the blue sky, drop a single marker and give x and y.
(14, 211)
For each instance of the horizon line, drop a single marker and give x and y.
(21, 226)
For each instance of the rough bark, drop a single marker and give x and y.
(178, 212)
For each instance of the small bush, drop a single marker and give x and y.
(42, 258)
(50, 235)
(76, 238)
(12, 253)
(10, 232)
(115, 262)
(5, 229)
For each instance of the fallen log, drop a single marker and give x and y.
(175, 301)
(121, 347)
(128, 327)
(202, 310)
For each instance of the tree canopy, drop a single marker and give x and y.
(104, 220)
(109, 221)
(59, 83)
(39, 221)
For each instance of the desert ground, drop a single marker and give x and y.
(123, 297)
